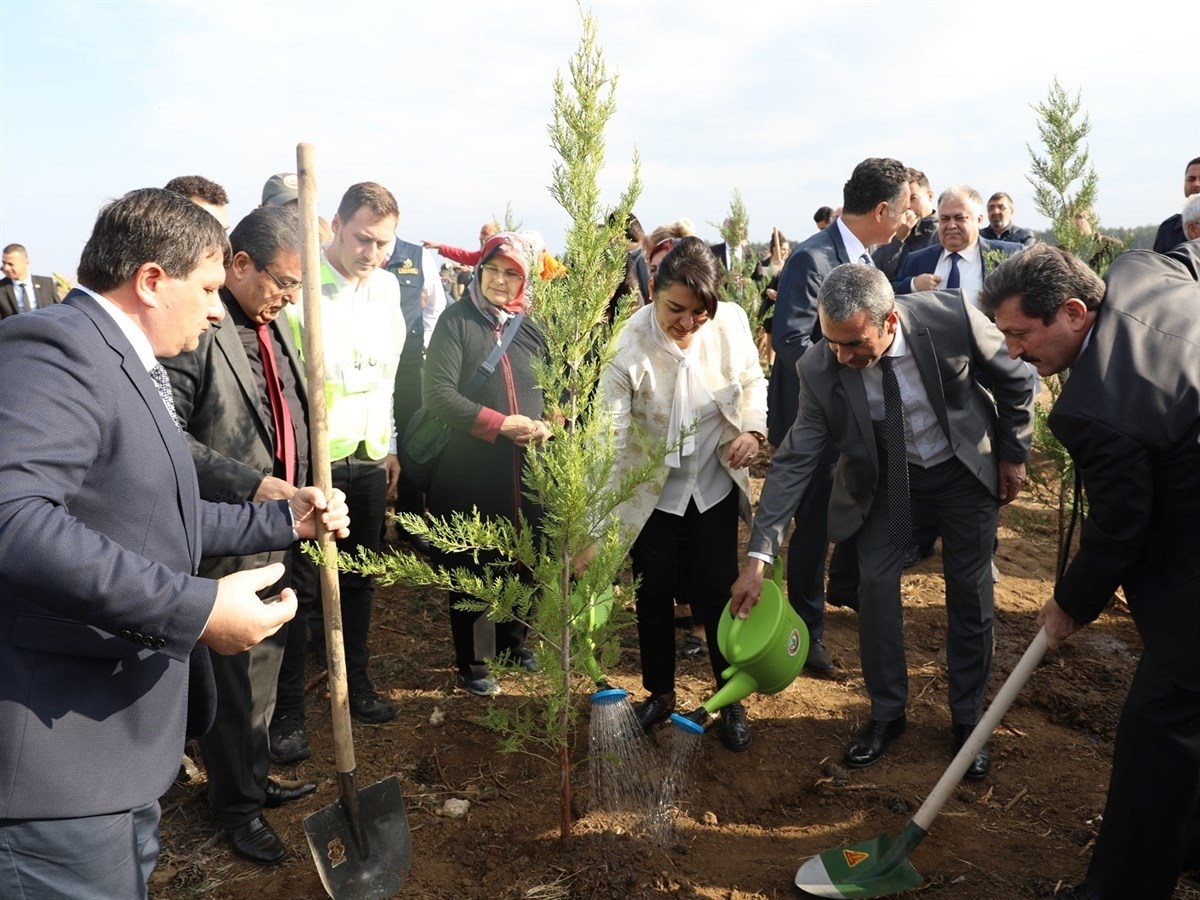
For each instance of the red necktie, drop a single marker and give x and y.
(281, 416)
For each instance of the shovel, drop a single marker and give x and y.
(880, 867)
(361, 843)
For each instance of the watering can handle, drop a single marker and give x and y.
(736, 628)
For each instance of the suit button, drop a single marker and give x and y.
(159, 643)
(126, 634)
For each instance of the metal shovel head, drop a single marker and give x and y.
(859, 870)
(346, 872)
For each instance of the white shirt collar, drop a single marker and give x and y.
(130, 328)
(854, 247)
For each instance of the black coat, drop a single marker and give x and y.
(479, 468)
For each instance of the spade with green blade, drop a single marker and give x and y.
(880, 867)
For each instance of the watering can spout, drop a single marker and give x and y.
(696, 722)
(738, 686)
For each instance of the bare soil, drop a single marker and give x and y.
(745, 821)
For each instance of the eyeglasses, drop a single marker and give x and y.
(288, 287)
(507, 274)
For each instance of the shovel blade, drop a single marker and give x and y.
(866, 869)
(345, 872)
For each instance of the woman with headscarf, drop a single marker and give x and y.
(686, 371)
(481, 466)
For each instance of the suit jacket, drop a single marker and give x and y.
(952, 343)
(1170, 234)
(1129, 415)
(1013, 235)
(890, 257)
(924, 262)
(43, 289)
(227, 426)
(103, 529)
(796, 326)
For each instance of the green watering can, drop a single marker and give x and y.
(766, 651)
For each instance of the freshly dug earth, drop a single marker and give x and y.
(744, 822)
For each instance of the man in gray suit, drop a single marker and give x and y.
(241, 402)
(100, 607)
(894, 389)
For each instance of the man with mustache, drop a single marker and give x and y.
(1000, 225)
(959, 260)
(1130, 417)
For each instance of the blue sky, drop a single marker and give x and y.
(447, 103)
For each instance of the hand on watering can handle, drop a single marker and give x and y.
(747, 588)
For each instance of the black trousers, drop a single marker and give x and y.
(1154, 795)
(364, 482)
(478, 639)
(235, 748)
(694, 558)
(806, 556)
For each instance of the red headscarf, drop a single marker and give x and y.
(513, 248)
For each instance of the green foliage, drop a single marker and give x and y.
(572, 477)
(1063, 179)
(738, 285)
(1065, 184)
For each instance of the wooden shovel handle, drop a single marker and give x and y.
(991, 718)
(318, 443)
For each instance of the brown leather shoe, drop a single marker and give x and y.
(279, 792)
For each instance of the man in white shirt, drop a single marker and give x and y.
(961, 259)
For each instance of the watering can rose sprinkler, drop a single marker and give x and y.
(766, 651)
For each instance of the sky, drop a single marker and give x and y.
(448, 102)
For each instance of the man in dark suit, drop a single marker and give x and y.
(873, 202)
(961, 259)
(893, 388)
(1130, 417)
(19, 291)
(103, 531)
(1170, 232)
(916, 231)
(241, 402)
(1000, 225)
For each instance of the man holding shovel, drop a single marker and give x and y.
(1129, 415)
(103, 528)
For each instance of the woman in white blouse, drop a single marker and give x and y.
(686, 370)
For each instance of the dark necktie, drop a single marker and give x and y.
(899, 511)
(24, 300)
(866, 260)
(281, 416)
(952, 278)
(159, 374)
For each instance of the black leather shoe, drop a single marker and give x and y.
(818, 661)
(419, 542)
(1079, 892)
(912, 556)
(654, 709)
(367, 706)
(982, 763)
(278, 793)
(868, 745)
(257, 842)
(289, 743)
(732, 728)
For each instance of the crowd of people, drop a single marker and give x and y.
(155, 463)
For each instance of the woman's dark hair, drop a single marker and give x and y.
(691, 264)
